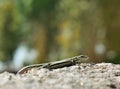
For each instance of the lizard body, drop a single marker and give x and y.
(58, 64)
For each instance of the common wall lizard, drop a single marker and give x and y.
(54, 65)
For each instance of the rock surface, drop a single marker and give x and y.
(83, 76)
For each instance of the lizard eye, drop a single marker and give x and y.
(82, 56)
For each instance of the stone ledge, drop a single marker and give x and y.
(83, 76)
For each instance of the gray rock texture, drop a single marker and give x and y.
(83, 76)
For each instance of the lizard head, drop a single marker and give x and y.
(82, 58)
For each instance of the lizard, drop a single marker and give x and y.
(57, 64)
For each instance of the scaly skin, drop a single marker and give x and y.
(58, 64)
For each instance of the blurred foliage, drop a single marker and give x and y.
(10, 32)
(41, 8)
(59, 29)
(115, 59)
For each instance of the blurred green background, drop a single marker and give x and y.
(37, 31)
